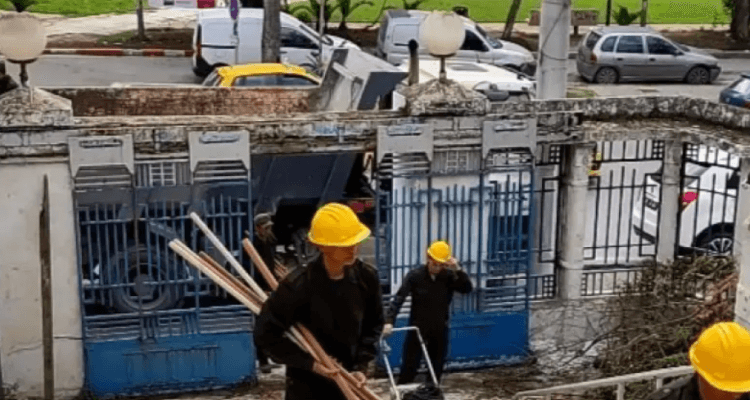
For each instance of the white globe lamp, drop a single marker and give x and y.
(442, 33)
(23, 38)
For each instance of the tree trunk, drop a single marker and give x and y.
(644, 11)
(609, 12)
(141, 23)
(271, 43)
(512, 13)
(742, 14)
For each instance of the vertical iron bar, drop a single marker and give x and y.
(619, 215)
(609, 216)
(45, 257)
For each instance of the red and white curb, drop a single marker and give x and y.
(122, 52)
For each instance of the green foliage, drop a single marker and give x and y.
(347, 7)
(21, 5)
(414, 5)
(625, 17)
(310, 10)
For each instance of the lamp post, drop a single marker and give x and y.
(22, 39)
(442, 34)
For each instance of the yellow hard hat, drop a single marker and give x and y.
(337, 225)
(721, 355)
(440, 251)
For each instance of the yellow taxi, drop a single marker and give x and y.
(261, 75)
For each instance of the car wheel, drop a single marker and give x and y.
(145, 281)
(698, 76)
(606, 75)
(720, 243)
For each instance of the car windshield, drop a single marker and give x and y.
(592, 39)
(496, 44)
(326, 40)
(742, 85)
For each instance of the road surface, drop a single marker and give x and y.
(52, 70)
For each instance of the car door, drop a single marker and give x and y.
(630, 57)
(474, 49)
(663, 61)
(298, 48)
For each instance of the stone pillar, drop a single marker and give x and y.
(742, 245)
(573, 212)
(669, 202)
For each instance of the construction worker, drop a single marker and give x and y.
(337, 297)
(721, 360)
(431, 289)
(264, 242)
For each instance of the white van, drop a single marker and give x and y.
(398, 27)
(212, 40)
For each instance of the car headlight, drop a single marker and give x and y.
(485, 87)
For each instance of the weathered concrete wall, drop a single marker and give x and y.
(20, 298)
(99, 102)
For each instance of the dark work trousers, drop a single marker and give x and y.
(262, 357)
(437, 347)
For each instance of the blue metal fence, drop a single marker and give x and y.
(152, 324)
(488, 218)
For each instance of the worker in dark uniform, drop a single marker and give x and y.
(721, 360)
(6, 82)
(264, 242)
(337, 297)
(431, 289)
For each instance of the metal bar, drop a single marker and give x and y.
(45, 257)
(621, 391)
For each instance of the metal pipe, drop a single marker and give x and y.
(413, 63)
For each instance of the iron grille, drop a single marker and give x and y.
(217, 171)
(98, 178)
(157, 173)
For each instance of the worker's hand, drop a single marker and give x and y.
(452, 263)
(360, 378)
(322, 370)
(281, 271)
(387, 330)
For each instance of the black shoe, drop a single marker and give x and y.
(266, 369)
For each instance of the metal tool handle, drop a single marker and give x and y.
(384, 345)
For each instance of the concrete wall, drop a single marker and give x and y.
(99, 102)
(20, 282)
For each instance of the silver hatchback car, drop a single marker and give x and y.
(620, 54)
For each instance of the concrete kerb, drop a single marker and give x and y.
(117, 52)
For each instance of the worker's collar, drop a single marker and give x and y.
(319, 266)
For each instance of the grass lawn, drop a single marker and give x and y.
(660, 11)
(78, 8)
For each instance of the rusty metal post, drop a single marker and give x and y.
(413, 63)
(742, 246)
(45, 256)
(669, 202)
(573, 212)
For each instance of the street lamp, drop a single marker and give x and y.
(22, 39)
(442, 34)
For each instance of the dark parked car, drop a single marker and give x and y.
(738, 93)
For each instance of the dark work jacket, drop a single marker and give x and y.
(345, 316)
(267, 251)
(682, 389)
(430, 300)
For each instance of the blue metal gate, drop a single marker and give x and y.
(151, 324)
(484, 207)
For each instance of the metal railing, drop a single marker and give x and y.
(609, 281)
(618, 381)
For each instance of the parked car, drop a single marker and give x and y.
(738, 93)
(212, 41)
(620, 54)
(497, 83)
(258, 75)
(708, 202)
(398, 27)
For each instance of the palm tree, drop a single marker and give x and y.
(346, 8)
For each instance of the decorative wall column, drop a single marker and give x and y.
(669, 202)
(573, 212)
(742, 245)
